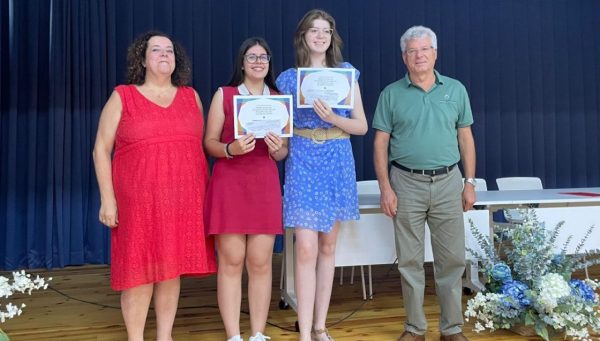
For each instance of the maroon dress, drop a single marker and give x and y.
(243, 196)
(159, 176)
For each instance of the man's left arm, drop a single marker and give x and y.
(466, 145)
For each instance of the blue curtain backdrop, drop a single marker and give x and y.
(531, 68)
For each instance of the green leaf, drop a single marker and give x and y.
(3, 336)
(529, 319)
(540, 329)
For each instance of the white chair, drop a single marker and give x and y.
(367, 187)
(517, 184)
(363, 187)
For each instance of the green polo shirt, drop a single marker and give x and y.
(423, 126)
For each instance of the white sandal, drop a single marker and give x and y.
(259, 337)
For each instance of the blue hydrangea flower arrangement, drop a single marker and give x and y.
(528, 282)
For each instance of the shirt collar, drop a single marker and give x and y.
(438, 79)
(243, 90)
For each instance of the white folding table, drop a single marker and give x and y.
(578, 207)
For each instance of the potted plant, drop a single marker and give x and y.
(529, 283)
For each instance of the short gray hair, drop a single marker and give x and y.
(417, 32)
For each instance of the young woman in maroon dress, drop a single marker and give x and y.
(153, 188)
(243, 205)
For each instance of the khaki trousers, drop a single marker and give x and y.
(436, 200)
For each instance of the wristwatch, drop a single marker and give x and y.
(471, 181)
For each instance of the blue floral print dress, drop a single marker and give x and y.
(320, 178)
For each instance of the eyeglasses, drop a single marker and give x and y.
(316, 30)
(252, 58)
(423, 50)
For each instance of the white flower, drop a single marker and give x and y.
(5, 287)
(478, 327)
(22, 283)
(552, 287)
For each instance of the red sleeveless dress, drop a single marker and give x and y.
(159, 176)
(244, 194)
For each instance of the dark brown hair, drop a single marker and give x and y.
(333, 55)
(238, 73)
(136, 56)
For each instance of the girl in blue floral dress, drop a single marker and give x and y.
(320, 180)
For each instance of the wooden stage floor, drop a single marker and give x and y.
(83, 307)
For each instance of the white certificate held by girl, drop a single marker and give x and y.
(262, 114)
(332, 85)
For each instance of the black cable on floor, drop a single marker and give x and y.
(289, 329)
(80, 300)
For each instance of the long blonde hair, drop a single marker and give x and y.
(333, 55)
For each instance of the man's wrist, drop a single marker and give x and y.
(471, 181)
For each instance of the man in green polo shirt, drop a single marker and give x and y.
(423, 124)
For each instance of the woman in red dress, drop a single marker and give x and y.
(243, 205)
(153, 187)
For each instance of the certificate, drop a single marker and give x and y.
(262, 114)
(332, 85)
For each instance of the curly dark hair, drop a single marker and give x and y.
(136, 55)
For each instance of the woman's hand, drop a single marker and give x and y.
(108, 214)
(274, 142)
(105, 140)
(243, 145)
(324, 111)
